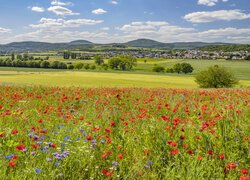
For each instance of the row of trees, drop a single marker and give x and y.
(33, 64)
(48, 65)
(177, 68)
(25, 57)
(122, 62)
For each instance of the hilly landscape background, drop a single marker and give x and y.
(31, 46)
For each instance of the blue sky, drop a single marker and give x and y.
(105, 21)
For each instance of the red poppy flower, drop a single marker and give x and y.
(20, 147)
(222, 156)
(244, 178)
(244, 171)
(174, 151)
(12, 164)
(210, 152)
(120, 156)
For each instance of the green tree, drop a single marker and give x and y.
(19, 56)
(79, 66)
(98, 60)
(158, 69)
(177, 68)
(122, 62)
(12, 56)
(216, 77)
(186, 68)
(66, 55)
(44, 64)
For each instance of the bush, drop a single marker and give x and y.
(177, 68)
(216, 77)
(169, 70)
(186, 68)
(70, 66)
(98, 60)
(79, 66)
(158, 69)
(93, 67)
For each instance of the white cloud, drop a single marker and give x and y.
(114, 2)
(61, 23)
(37, 9)
(59, 3)
(46, 35)
(210, 16)
(99, 11)
(4, 30)
(209, 2)
(63, 11)
(105, 28)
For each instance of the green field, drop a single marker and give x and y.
(141, 76)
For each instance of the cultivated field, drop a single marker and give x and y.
(142, 76)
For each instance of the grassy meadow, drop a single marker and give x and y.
(141, 76)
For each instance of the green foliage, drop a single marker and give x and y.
(228, 48)
(98, 60)
(66, 55)
(122, 62)
(45, 64)
(183, 68)
(87, 66)
(216, 77)
(169, 70)
(177, 68)
(186, 68)
(158, 69)
(78, 66)
(93, 67)
(70, 66)
(12, 56)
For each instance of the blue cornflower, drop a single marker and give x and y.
(38, 170)
(150, 162)
(9, 156)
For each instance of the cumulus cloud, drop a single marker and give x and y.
(63, 11)
(37, 9)
(209, 2)
(210, 16)
(114, 2)
(59, 3)
(47, 35)
(61, 23)
(99, 11)
(4, 30)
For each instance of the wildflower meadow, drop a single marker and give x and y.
(125, 133)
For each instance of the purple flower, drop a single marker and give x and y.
(38, 170)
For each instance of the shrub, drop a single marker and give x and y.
(78, 66)
(169, 70)
(216, 77)
(158, 69)
(70, 66)
(186, 68)
(177, 68)
(93, 67)
(98, 60)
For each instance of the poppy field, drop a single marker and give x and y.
(124, 133)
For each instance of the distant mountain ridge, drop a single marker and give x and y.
(33, 46)
(177, 45)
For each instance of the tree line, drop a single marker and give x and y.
(177, 68)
